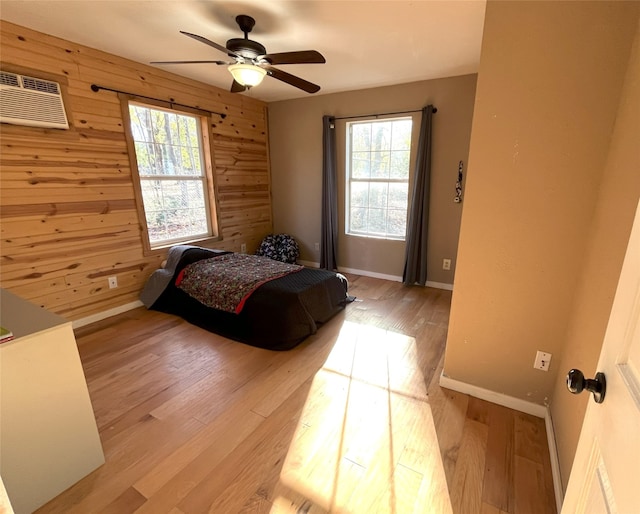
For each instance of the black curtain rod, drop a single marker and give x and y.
(97, 88)
(435, 110)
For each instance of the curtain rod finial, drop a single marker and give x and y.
(95, 88)
(434, 110)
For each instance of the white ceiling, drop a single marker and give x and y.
(366, 43)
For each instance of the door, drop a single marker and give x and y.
(604, 476)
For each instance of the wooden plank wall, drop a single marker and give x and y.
(67, 211)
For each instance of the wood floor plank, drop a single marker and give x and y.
(530, 493)
(531, 444)
(449, 427)
(487, 508)
(498, 489)
(466, 487)
(478, 410)
(529, 437)
(126, 503)
(314, 466)
(420, 451)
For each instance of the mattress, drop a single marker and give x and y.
(278, 315)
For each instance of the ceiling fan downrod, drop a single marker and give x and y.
(246, 24)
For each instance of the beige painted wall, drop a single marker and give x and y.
(610, 229)
(295, 134)
(545, 262)
(549, 84)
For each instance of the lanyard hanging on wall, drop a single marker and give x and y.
(458, 197)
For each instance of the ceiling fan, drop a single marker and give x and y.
(252, 62)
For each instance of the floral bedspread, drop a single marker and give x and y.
(225, 282)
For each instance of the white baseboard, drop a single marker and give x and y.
(309, 264)
(555, 463)
(106, 314)
(373, 274)
(535, 409)
(439, 285)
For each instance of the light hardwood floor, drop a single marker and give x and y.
(352, 420)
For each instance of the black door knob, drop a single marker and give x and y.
(576, 383)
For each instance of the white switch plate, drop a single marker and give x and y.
(243, 248)
(113, 282)
(446, 264)
(317, 246)
(543, 359)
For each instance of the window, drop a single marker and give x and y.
(378, 177)
(171, 160)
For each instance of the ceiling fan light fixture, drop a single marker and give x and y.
(247, 75)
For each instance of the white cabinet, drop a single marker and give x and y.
(48, 434)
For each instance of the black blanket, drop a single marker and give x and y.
(278, 315)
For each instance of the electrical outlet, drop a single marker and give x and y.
(113, 282)
(243, 248)
(543, 359)
(317, 247)
(446, 264)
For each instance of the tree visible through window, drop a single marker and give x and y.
(173, 183)
(378, 177)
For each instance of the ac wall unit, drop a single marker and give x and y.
(30, 101)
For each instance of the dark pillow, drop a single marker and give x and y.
(279, 247)
(267, 247)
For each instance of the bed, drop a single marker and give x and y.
(278, 315)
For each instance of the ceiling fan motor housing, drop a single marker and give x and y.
(246, 47)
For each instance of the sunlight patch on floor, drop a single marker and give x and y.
(365, 441)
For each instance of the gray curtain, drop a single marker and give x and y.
(415, 262)
(329, 236)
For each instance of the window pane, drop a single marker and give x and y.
(198, 220)
(378, 195)
(397, 222)
(380, 136)
(361, 137)
(380, 164)
(400, 164)
(359, 194)
(398, 196)
(195, 194)
(360, 165)
(401, 137)
(358, 219)
(146, 158)
(171, 208)
(377, 222)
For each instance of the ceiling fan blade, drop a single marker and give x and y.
(301, 57)
(236, 87)
(309, 87)
(190, 62)
(210, 43)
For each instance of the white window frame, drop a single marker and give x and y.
(349, 179)
(206, 178)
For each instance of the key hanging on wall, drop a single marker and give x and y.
(458, 197)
